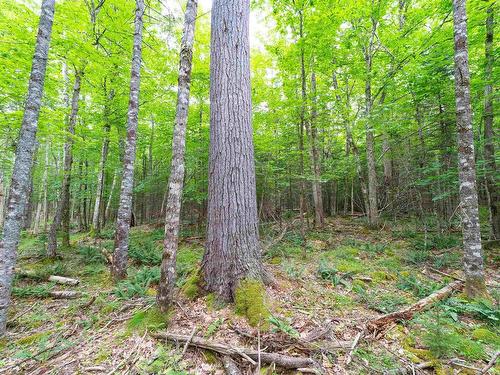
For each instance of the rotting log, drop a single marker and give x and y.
(63, 280)
(407, 313)
(280, 360)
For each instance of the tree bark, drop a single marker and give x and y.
(370, 142)
(489, 133)
(232, 249)
(302, 191)
(110, 198)
(24, 160)
(2, 199)
(319, 217)
(42, 197)
(176, 179)
(62, 210)
(119, 267)
(473, 260)
(96, 228)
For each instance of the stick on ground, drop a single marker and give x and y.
(267, 358)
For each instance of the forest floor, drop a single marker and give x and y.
(324, 292)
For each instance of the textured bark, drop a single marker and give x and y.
(119, 267)
(302, 191)
(489, 133)
(232, 248)
(107, 211)
(473, 259)
(176, 179)
(370, 142)
(62, 210)
(2, 199)
(319, 217)
(96, 228)
(43, 195)
(24, 160)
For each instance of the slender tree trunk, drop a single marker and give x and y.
(2, 199)
(232, 248)
(319, 217)
(101, 176)
(42, 198)
(473, 259)
(489, 133)
(62, 210)
(119, 267)
(302, 191)
(370, 141)
(176, 179)
(107, 211)
(24, 160)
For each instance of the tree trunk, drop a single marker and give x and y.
(24, 160)
(62, 210)
(2, 199)
(370, 142)
(110, 198)
(302, 191)
(473, 260)
(232, 248)
(319, 217)
(176, 179)
(42, 198)
(119, 267)
(489, 133)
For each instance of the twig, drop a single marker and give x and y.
(490, 364)
(353, 346)
(195, 328)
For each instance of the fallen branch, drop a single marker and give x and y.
(407, 313)
(63, 280)
(65, 294)
(353, 347)
(490, 364)
(268, 358)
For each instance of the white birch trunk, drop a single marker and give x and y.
(24, 160)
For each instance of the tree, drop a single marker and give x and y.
(489, 134)
(62, 211)
(473, 258)
(120, 256)
(232, 249)
(176, 179)
(24, 159)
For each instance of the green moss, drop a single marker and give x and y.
(250, 302)
(354, 266)
(151, 320)
(210, 357)
(28, 340)
(380, 276)
(191, 287)
(486, 336)
(275, 260)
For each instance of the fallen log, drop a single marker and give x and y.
(230, 366)
(65, 294)
(63, 280)
(407, 313)
(267, 358)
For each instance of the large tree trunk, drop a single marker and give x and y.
(319, 218)
(62, 210)
(489, 134)
(232, 248)
(473, 260)
(96, 228)
(119, 267)
(176, 179)
(2, 199)
(24, 160)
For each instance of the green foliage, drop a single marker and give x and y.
(188, 258)
(214, 327)
(293, 270)
(485, 335)
(280, 325)
(138, 284)
(479, 309)
(418, 287)
(145, 250)
(29, 291)
(91, 255)
(250, 302)
(329, 273)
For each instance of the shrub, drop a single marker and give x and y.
(138, 284)
(91, 255)
(145, 251)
